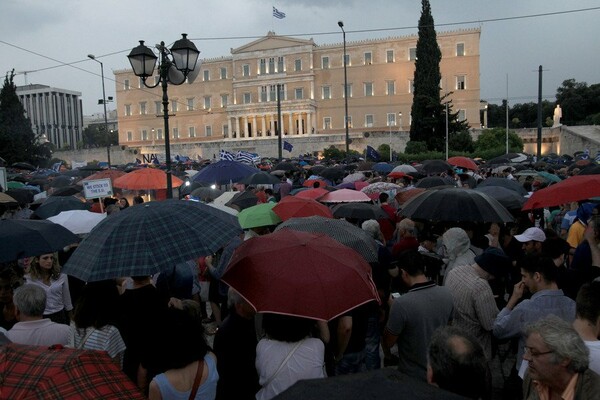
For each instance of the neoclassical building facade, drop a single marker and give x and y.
(234, 98)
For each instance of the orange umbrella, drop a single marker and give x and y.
(463, 162)
(146, 178)
(296, 207)
(111, 174)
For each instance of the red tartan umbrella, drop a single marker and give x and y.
(36, 372)
(300, 274)
(575, 188)
(294, 207)
(463, 162)
(145, 179)
(314, 194)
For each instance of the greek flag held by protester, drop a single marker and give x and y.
(247, 158)
(225, 155)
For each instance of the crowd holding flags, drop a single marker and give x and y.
(241, 156)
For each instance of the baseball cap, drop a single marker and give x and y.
(535, 234)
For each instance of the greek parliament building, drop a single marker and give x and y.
(232, 104)
(55, 114)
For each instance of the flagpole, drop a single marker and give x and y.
(279, 130)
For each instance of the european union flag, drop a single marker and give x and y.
(373, 154)
(287, 146)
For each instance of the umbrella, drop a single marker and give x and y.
(67, 191)
(149, 238)
(78, 221)
(591, 170)
(361, 211)
(333, 173)
(357, 176)
(404, 168)
(223, 172)
(7, 201)
(384, 383)
(206, 193)
(222, 207)
(549, 177)
(285, 166)
(25, 237)
(278, 172)
(316, 169)
(344, 196)
(295, 207)
(314, 194)
(455, 205)
(23, 196)
(243, 200)
(54, 205)
(111, 174)
(430, 182)
(14, 185)
(300, 274)
(380, 187)
(24, 165)
(506, 183)
(37, 372)
(225, 198)
(383, 167)
(463, 162)
(365, 166)
(576, 188)
(144, 179)
(258, 215)
(408, 193)
(310, 183)
(60, 182)
(526, 172)
(435, 166)
(399, 175)
(508, 198)
(260, 178)
(338, 229)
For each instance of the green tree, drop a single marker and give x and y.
(461, 142)
(496, 138)
(95, 136)
(425, 111)
(333, 153)
(17, 140)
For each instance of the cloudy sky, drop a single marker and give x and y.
(51, 39)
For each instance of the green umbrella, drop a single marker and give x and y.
(549, 177)
(14, 185)
(258, 215)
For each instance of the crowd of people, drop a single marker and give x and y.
(452, 295)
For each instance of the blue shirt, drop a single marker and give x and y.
(207, 390)
(511, 323)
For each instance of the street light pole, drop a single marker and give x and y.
(174, 70)
(341, 25)
(91, 56)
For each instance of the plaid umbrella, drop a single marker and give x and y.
(36, 372)
(54, 205)
(258, 215)
(295, 207)
(25, 237)
(338, 229)
(149, 238)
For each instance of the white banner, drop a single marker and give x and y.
(97, 188)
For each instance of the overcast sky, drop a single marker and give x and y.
(42, 36)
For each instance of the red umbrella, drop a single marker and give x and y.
(144, 179)
(314, 194)
(112, 174)
(310, 183)
(294, 207)
(300, 274)
(575, 188)
(37, 372)
(398, 175)
(463, 162)
(345, 196)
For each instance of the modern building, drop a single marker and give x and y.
(55, 114)
(234, 98)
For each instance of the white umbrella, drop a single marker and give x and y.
(78, 221)
(225, 197)
(404, 168)
(225, 208)
(357, 176)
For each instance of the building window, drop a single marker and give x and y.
(368, 58)
(346, 59)
(207, 102)
(299, 93)
(349, 90)
(391, 88)
(263, 66)
(192, 131)
(264, 94)
(391, 119)
(271, 65)
(223, 73)
(158, 107)
(327, 123)
(144, 134)
(326, 92)
(280, 65)
(129, 136)
(190, 104)
(368, 89)
(272, 92)
(225, 130)
(460, 49)
(224, 100)
(127, 109)
(411, 86)
(325, 62)
(462, 115)
(206, 75)
(298, 65)
(460, 82)
(126, 84)
(174, 106)
(175, 133)
(247, 98)
(246, 70)
(208, 130)
(389, 56)
(369, 120)
(412, 53)
(159, 135)
(142, 107)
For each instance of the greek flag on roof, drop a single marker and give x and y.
(278, 14)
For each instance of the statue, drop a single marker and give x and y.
(557, 116)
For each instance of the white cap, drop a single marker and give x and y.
(535, 234)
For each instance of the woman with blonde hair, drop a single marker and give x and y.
(45, 272)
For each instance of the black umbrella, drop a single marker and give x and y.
(285, 166)
(54, 205)
(60, 182)
(333, 173)
(317, 169)
(435, 166)
(362, 211)
(67, 190)
(24, 237)
(506, 183)
(508, 198)
(365, 166)
(456, 205)
(592, 169)
(260, 178)
(184, 190)
(23, 165)
(243, 200)
(206, 193)
(431, 181)
(23, 196)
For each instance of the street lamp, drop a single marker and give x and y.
(341, 25)
(91, 56)
(174, 70)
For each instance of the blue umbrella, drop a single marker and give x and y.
(383, 167)
(223, 172)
